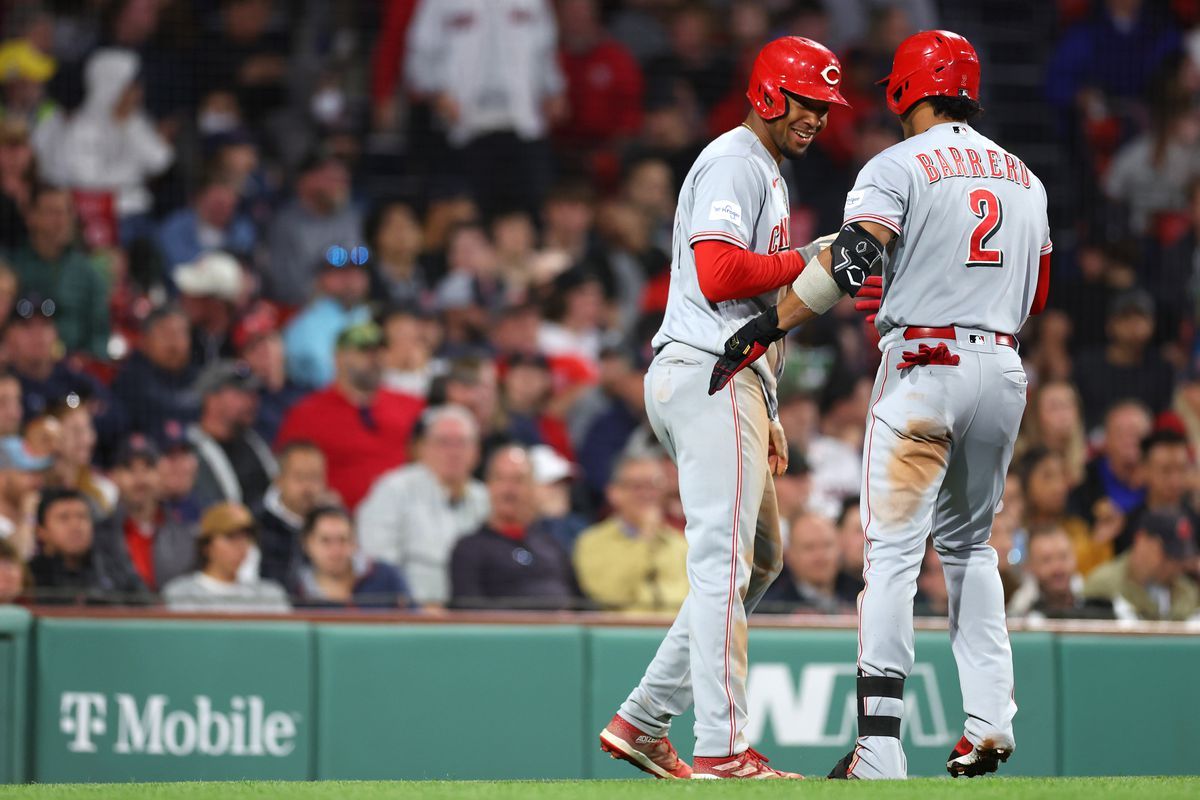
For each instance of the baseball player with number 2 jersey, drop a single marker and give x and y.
(731, 257)
(957, 226)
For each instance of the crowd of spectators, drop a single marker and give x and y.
(347, 304)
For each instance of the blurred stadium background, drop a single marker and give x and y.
(322, 440)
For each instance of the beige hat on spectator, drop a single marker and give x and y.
(214, 274)
(226, 518)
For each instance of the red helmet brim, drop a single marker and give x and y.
(826, 94)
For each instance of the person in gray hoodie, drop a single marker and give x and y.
(319, 216)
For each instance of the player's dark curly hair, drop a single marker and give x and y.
(960, 109)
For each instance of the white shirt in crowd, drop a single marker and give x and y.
(454, 47)
(92, 150)
(200, 592)
(409, 520)
(837, 474)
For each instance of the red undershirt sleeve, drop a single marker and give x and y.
(1043, 285)
(728, 272)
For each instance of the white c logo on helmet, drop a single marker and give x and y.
(832, 74)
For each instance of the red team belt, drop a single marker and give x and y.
(1004, 339)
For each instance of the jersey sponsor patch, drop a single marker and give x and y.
(854, 199)
(726, 210)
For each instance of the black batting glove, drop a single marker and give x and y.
(745, 347)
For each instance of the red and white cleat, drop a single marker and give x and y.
(971, 761)
(750, 764)
(648, 753)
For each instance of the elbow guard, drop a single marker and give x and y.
(855, 254)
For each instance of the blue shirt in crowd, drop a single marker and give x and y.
(309, 340)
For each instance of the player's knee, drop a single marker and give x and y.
(960, 553)
(901, 567)
(708, 572)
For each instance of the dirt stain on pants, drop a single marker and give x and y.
(918, 458)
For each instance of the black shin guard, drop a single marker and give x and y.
(876, 724)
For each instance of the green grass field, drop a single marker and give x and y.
(922, 789)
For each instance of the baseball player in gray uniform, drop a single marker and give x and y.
(965, 223)
(731, 257)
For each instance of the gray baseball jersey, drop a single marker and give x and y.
(733, 193)
(971, 224)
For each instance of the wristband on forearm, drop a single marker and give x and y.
(816, 288)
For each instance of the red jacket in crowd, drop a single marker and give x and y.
(394, 19)
(359, 444)
(605, 90)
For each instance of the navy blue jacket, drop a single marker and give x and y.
(151, 396)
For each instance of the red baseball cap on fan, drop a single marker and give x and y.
(261, 320)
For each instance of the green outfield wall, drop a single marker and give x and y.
(164, 699)
(15, 625)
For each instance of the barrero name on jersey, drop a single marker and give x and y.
(969, 163)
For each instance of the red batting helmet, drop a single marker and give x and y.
(932, 64)
(797, 65)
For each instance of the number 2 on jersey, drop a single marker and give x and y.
(985, 205)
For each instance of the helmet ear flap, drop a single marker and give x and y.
(772, 97)
(787, 103)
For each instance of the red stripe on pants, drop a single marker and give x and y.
(737, 507)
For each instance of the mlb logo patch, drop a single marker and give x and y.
(976, 338)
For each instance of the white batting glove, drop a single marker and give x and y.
(809, 251)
